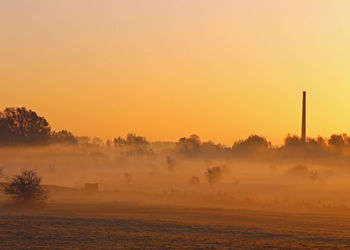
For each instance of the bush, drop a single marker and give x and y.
(26, 189)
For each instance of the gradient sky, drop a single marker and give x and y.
(166, 69)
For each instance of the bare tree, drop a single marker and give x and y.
(26, 188)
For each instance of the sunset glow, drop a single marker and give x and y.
(167, 69)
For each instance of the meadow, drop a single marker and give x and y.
(124, 225)
(167, 200)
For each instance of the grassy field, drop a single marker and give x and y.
(130, 225)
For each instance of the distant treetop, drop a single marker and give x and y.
(63, 137)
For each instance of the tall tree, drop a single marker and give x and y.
(19, 126)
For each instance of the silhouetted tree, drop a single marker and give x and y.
(311, 145)
(119, 142)
(189, 146)
(19, 126)
(294, 148)
(63, 137)
(321, 141)
(253, 144)
(293, 141)
(26, 188)
(337, 141)
(134, 145)
(133, 139)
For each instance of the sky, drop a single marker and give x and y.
(166, 69)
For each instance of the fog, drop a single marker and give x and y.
(168, 173)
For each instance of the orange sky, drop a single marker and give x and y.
(169, 68)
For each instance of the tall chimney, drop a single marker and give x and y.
(303, 125)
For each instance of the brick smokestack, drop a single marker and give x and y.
(303, 124)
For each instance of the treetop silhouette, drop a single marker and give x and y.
(19, 126)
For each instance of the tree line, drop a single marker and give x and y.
(22, 126)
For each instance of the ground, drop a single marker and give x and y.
(128, 225)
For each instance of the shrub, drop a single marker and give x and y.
(26, 189)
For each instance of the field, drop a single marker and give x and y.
(147, 202)
(72, 225)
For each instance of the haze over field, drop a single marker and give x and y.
(170, 177)
(252, 173)
(182, 195)
(174, 124)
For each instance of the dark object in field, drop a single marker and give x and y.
(91, 187)
(26, 188)
(213, 175)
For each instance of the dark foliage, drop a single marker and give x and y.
(133, 145)
(339, 141)
(26, 188)
(189, 146)
(293, 141)
(131, 140)
(253, 144)
(19, 126)
(63, 137)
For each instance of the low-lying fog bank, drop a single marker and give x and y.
(162, 174)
